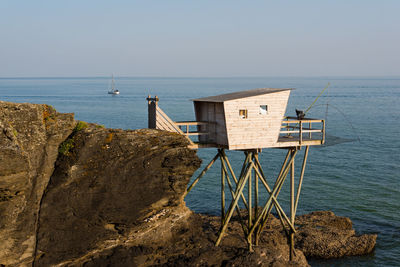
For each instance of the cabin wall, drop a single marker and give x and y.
(201, 115)
(257, 130)
(220, 125)
(214, 113)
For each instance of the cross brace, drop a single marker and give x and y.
(258, 215)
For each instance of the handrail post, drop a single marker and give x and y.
(152, 111)
(323, 131)
(301, 132)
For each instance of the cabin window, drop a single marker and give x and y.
(263, 109)
(243, 113)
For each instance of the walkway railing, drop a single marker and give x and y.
(163, 122)
(303, 129)
(187, 127)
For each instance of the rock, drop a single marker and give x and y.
(116, 198)
(191, 243)
(29, 139)
(74, 194)
(110, 183)
(321, 234)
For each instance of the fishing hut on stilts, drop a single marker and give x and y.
(248, 121)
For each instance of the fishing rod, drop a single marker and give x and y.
(326, 87)
(301, 114)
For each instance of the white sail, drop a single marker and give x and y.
(113, 91)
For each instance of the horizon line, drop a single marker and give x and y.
(202, 77)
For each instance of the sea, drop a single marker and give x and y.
(356, 174)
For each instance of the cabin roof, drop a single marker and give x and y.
(241, 94)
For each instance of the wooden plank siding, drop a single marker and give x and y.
(257, 130)
(201, 115)
(214, 114)
(220, 125)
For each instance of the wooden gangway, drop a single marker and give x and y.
(159, 120)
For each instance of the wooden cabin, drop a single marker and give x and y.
(251, 119)
(243, 120)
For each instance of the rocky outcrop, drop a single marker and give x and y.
(116, 198)
(109, 184)
(29, 139)
(321, 234)
(74, 194)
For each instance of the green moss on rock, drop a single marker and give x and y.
(80, 126)
(66, 146)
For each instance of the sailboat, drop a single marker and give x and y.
(113, 91)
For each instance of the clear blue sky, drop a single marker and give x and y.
(199, 38)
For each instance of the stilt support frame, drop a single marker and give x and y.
(251, 175)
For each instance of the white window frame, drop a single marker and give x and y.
(262, 110)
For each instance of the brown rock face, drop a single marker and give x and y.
(107, 185)
(323, 235)
(191, 243)
(116, 199)
(29, 140)
(74, 194)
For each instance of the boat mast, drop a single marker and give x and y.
(112, 82)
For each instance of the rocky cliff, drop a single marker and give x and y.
(75, 194)
(29, 140)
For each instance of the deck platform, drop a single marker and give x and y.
(283, 142)
(293, 133)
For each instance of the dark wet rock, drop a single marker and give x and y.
(322, 234)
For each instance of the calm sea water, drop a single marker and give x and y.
(358, 179)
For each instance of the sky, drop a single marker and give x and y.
(199, 38)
